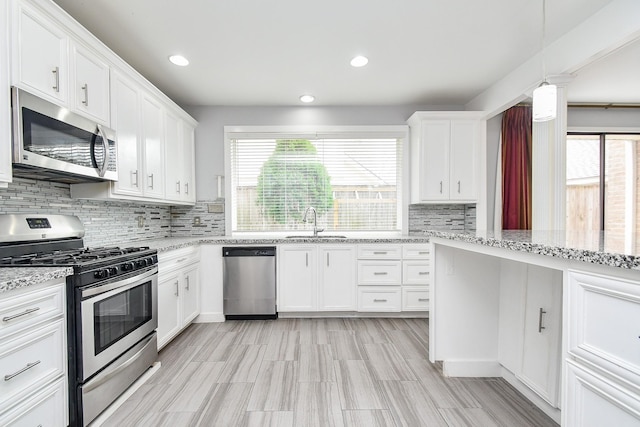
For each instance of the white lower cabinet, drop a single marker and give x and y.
(541, 360)
(379, 278)
(33, 356)
(178, 292)
(316, 278)
(415, 298)
(603, 360)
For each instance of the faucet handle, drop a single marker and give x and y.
(319, 230)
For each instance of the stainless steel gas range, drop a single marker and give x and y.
(111, 305)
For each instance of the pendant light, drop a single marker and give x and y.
(545, 95)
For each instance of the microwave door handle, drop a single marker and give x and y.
(102, 169)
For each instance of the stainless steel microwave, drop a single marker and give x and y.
(52, 143)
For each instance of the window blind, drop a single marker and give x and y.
(353, 183)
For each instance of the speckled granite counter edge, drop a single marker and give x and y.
(22, 277)
(172, 243)
(583, 255)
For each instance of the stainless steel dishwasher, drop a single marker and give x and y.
(249, 282)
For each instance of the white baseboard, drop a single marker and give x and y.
(209, 317)
(352, 314)
(471, 368)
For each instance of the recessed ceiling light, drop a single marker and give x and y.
(359, 61)
(179, 60)
(307, 98)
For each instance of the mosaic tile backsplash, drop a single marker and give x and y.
(118, 222)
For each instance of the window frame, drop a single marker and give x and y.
(319, 131)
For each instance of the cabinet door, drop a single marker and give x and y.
(125, 116)
(42, 50)
(434, 160)
(173, 153)
(464, 141)
(297, 287)
(90, 84)
(188, 164)
(153, 139)
(5, 99)
(168, 307)
(542, 332)
(190, 293)
(337, 285)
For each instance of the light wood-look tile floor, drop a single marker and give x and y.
(316, 372)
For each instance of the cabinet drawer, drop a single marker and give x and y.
(379, 251)
(28, 308)
(45, 408)
(379, 299)
(415, 298)
(31, 360)
(415, 272)
(178, 258)
(379, 272)
(604, 315)
(418, 251)
(593, 400)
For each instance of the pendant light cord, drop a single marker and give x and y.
(544, 37)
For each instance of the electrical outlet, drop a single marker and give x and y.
(140, 221)
(196, 220)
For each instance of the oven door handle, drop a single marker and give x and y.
(99, 380)
(120, 285)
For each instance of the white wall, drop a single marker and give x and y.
(601, 118)
(211, 122)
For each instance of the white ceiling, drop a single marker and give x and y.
(244, 52)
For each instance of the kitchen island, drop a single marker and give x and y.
(556, 314)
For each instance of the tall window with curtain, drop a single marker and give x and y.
(516, 168)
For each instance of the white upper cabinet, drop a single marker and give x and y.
(179, 148)
(125, 112)
(153, 137)
(444, 156)
(91, 84)
(5, 97)
(41, 60)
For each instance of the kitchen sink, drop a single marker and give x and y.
(324, 236)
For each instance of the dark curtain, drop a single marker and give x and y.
(516, 168)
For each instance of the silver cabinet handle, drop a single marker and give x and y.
(187, 280)
(380, 273)
(540, 327)
(178, 187)
(458, 187)
(182, 259)
(423, 299)
(440, 187)
(24, 313)
(422, 273)
(327, 260)
(306, 260)
(423, 253)
(151, 181)
(379, 300)
(56, 74)
(186, 188)
(26, 368)
(379, 252)
(134, 173)
(85, 88)
(177, 289)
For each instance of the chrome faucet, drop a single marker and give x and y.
(315, 220)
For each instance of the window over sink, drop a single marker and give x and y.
(351, 176)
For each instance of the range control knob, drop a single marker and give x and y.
(127, 266)
(101, 274)
(113, 271)
(150, 261)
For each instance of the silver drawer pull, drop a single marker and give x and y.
(423, 253)
(24, 313)
(182, 259)
(380, 273)
(422, 273)
(423, 299)
(26, 368)
(379, 252)
(379, 300)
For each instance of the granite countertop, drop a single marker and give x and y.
(171, 243)
(21, 277)
(595, 248)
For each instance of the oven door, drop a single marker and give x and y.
(114, 317)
